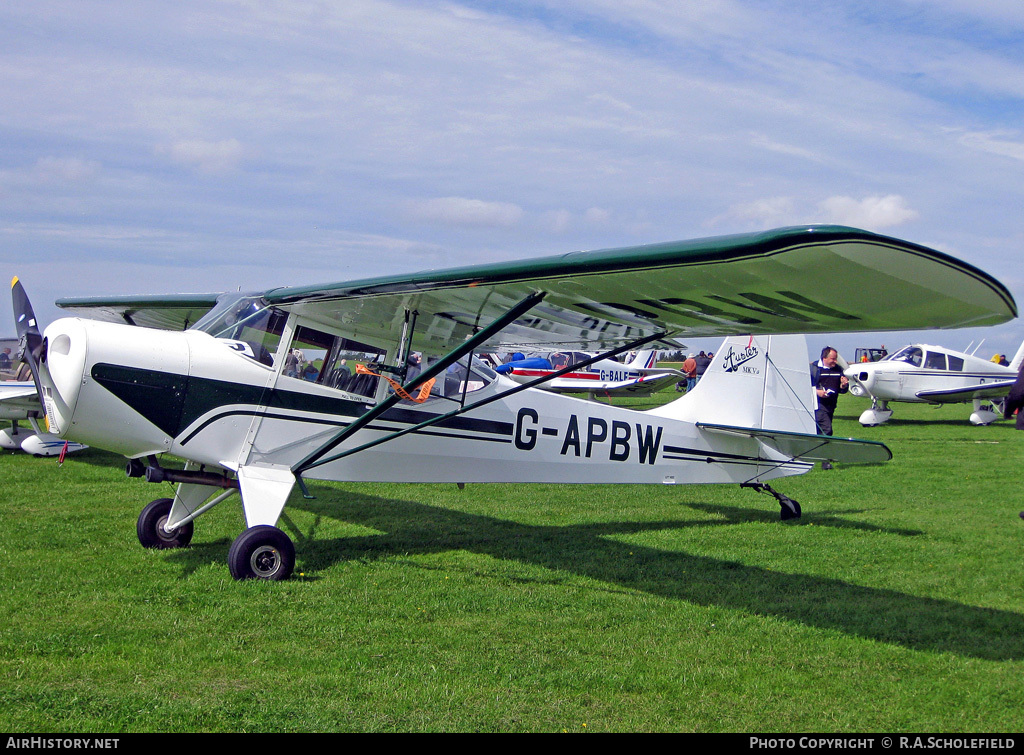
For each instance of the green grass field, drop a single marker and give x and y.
(896, 604)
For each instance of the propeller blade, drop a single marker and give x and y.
(31, 346)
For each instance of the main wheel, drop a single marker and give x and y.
(150, 527)
(262, 552)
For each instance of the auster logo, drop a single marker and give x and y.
(733, 359)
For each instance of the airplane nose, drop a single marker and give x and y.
(63, 370)
(104, 384)
(860, 380)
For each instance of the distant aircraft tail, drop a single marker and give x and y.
(643, 360)
(1018, 358)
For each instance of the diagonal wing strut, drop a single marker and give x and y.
(462, 410)
(436, 368)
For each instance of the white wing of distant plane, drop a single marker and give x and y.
(990, 390)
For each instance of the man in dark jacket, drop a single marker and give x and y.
(1015, 400)
(828, 381)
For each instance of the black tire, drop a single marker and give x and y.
(150, 527)
(262, 552)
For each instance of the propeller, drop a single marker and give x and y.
(30, 348)
(856, 387)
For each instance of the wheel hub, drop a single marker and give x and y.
(265, 560)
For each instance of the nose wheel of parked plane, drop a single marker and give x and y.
(262, 552)
(150, 527)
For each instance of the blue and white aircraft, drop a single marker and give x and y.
(639, 375)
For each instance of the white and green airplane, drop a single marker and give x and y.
(224, 395)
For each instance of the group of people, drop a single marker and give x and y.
(295, 365)
(694, 367)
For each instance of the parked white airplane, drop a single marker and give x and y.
(217, 396)
(640, 376)
(19, 402)
(921, 373)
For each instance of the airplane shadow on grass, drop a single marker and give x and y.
(918, 623)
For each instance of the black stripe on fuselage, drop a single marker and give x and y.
(176, 402)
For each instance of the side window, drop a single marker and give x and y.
(560, 359)
(935, 360)
(330, 360)
(956, 363)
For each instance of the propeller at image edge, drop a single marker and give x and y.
(30, 348)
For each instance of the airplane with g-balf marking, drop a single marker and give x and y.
(637, 376)
(222, 397)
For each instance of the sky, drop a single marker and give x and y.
(166, 147)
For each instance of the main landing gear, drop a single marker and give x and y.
(261, 552)
(790, 508)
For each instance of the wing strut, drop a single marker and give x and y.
(462, 410)
(436, 368)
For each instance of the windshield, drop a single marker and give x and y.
(910, 354)
(247, 318)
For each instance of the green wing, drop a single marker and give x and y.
(808, 279)
(167, 312)
(792, 280)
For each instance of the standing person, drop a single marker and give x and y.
(1015, 403)
(1015, 400)
(690, 370)
(828, 381)
(703, 360)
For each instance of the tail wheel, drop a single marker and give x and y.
(150, 527)
(262, 552)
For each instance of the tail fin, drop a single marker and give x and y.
(753, 382)
(1018, 358)
(643, 360)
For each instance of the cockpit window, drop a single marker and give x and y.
(910, 354)
(461, 378)
(248, 319)
(332, 361)
(10, 367)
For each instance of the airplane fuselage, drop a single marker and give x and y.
(924, 369)
(143, 392)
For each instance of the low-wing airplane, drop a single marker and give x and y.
(19, 402)
(639, 376)
(921, 373)
(217, 395)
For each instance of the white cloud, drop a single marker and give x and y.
(205, 156)
(761, 213)
(994, 144)
(871, 213)
(466, 212)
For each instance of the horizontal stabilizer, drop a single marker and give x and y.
(812, 448)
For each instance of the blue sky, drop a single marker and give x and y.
(159, 147)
